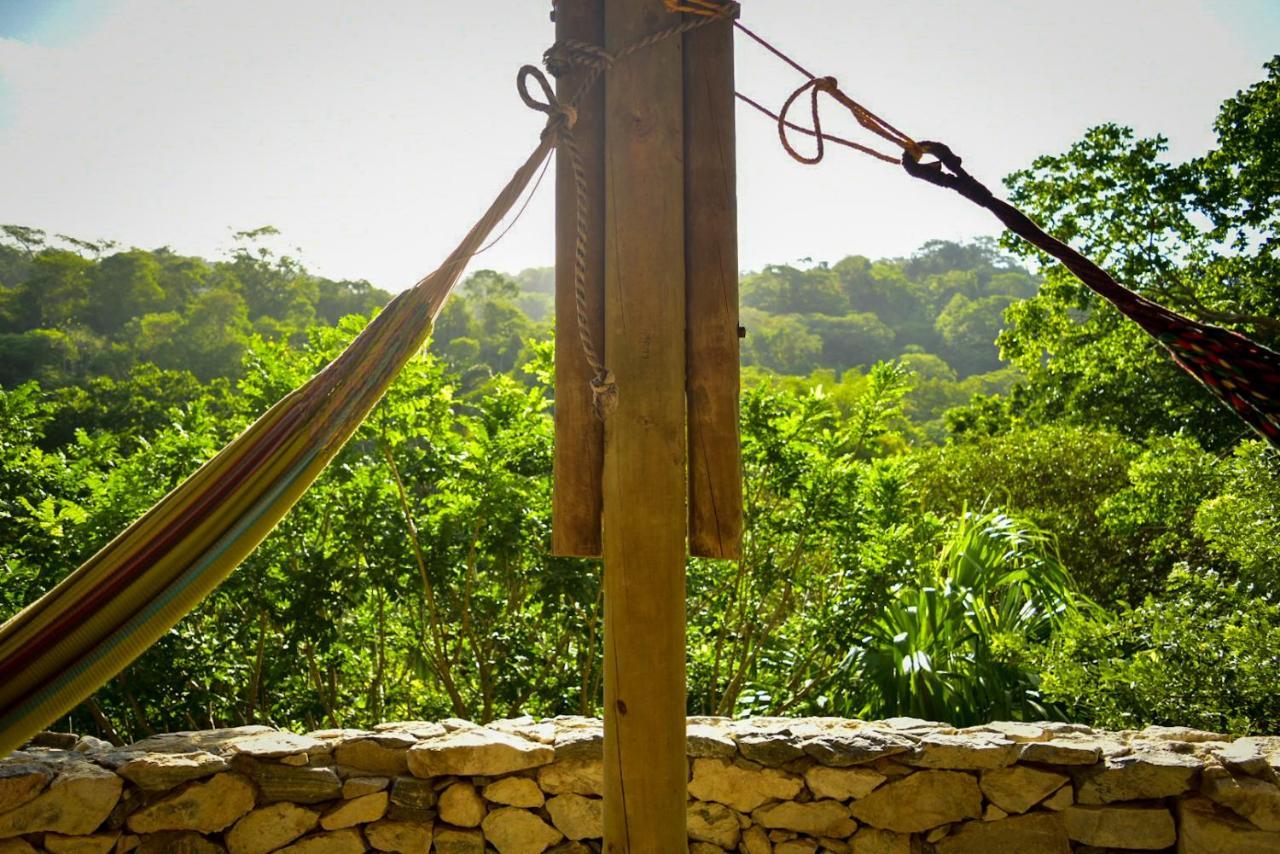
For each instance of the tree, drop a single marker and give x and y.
(1198, 236)
(125, 285)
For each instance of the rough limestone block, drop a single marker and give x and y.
(578, 817)
(457, 840)
(741, 785)
(1062, 752)
(936, 798)
(709, 741)
(461, 805)
(348, 841)
(517, 831)
(21, 782)
(1019, 788)
(816, 818)
(376, 753)
(1060, 800)
(1139, 776)
(543, 732)
(176, 842)
(1120, 826)
(580, 743)
(205, 807)
(514, 792)
(573, 777)
(872, 840)
(1207, 829)
(714, 823)
(160, 772)
(468, 752)
(96, 843)
(856, 747)
(769, 748)
(287, 783)
(755, 841)
(400, 837)
(361, 810)
(1253, 799)
(274, 745)
(417, 729)
(354, 787)
(963, 752)
(1038, 833)
(796, 846)
(76, 803)
(269, 828)
(842, 784)
(413, 792)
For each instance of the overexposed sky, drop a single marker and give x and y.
(372, 134)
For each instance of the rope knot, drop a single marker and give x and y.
(826, 84)
(604, 394)
(564, 56)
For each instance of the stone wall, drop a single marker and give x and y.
(764, 786)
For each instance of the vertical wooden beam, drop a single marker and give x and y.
(644, 476)
(711, 228)
(577, 498)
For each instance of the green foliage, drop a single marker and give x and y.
(70, 314)
(1241, 523)
(1198, 236)
(828, 532)
(1203, 653)
(1056, 478)
(951, 644)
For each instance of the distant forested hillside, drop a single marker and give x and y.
(71, 309)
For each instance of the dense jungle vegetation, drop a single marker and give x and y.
(973, 489)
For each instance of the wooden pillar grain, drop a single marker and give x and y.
(711, 228)
(644, 451)
(577, 499)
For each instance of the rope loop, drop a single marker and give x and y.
(560, 117)
(813, 87)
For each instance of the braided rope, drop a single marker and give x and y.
(566, 55)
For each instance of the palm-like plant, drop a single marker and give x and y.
(951, 645)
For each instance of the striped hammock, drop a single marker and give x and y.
(61, 648)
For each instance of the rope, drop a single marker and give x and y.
(560, 58)
(829, 86)
(1242, 373)
(1239, 371)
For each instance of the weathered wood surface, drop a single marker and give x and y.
(576, 504)
(711, 229)
(644, 474)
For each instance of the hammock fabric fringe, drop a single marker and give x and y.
(61, 648)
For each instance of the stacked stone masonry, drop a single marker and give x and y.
(762, 786)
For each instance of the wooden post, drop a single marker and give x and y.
(576, 503)
(711, 228)
(645, 771)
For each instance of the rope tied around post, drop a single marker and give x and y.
(561, 118)
(560, 58)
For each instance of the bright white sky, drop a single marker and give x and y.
(371, 134)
